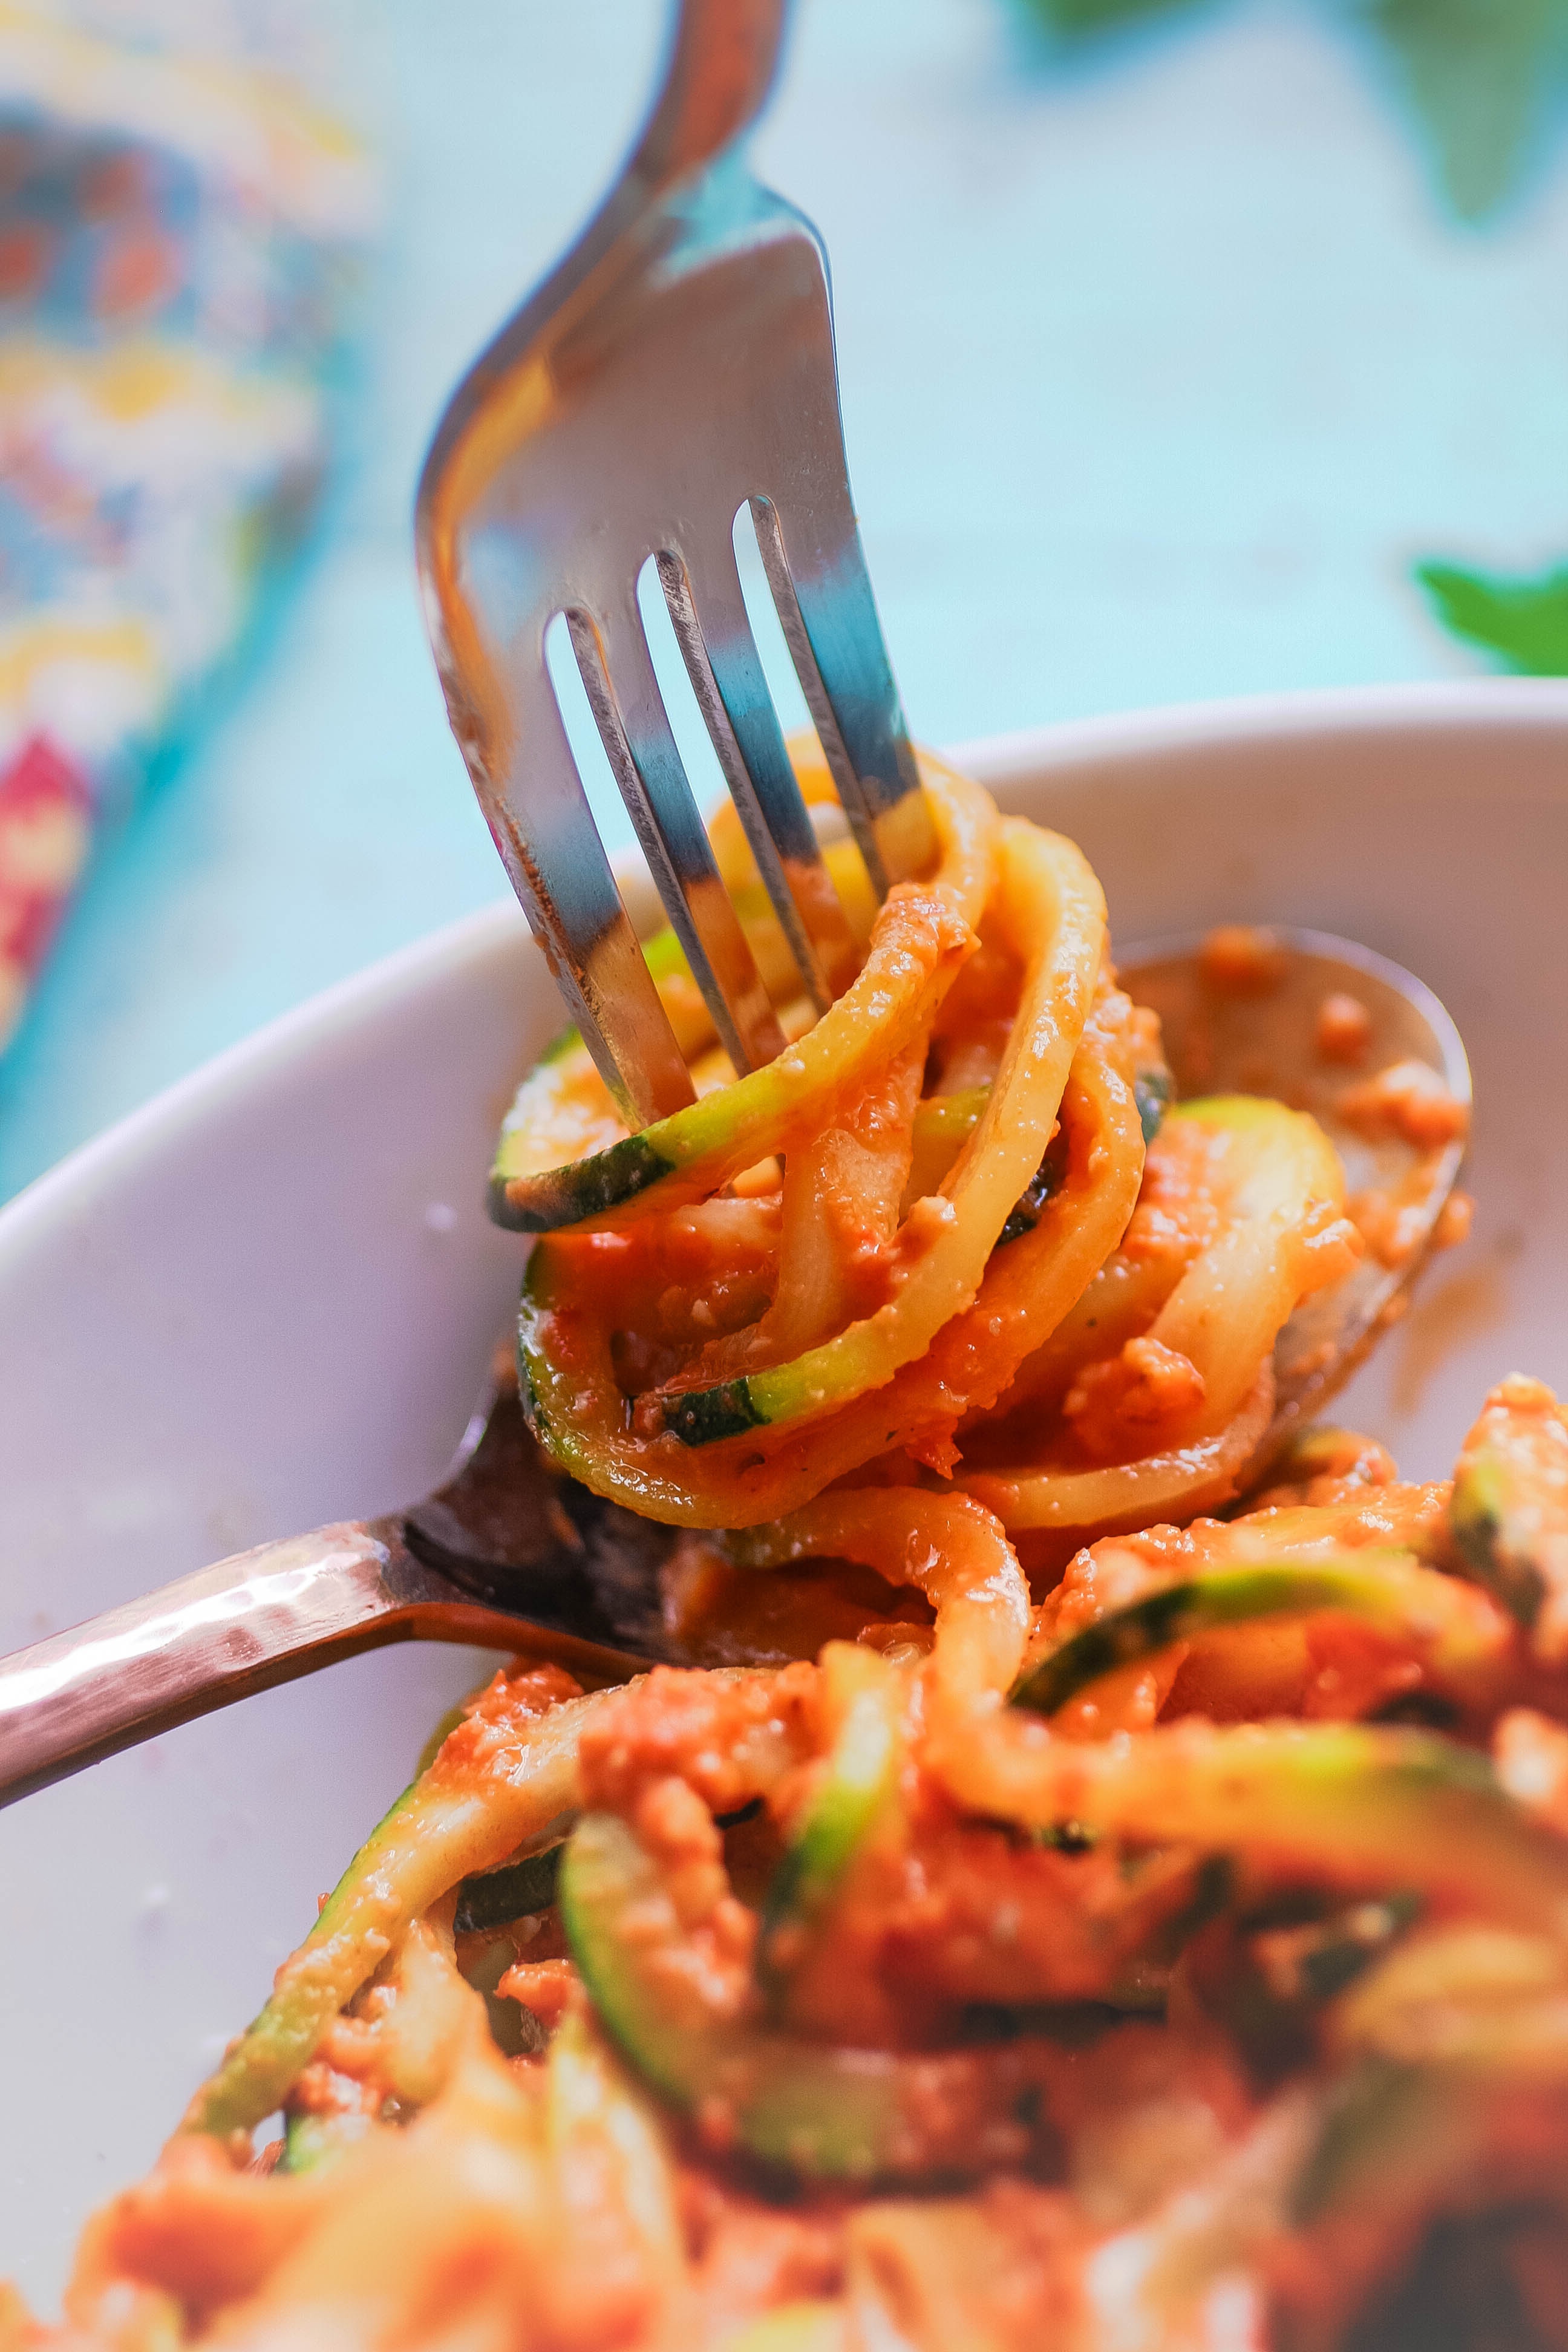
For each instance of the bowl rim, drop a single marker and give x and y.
(1462, 706)
(1466, 706)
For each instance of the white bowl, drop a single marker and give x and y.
(266, 1300)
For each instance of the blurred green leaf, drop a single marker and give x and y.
(1072, 20)
(1477, 76)
(1525, 621)
(1477, 73)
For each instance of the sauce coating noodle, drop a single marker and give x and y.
(1127, 1939)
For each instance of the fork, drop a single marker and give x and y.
(677, 366)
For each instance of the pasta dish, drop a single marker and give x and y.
(1107, 1890)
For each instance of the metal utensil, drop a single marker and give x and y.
(508, 1553)
(677, 366)
(502, 1555)
(1264, 1041)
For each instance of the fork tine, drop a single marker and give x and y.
(816, 569)
(708, 612)
(682, 353)
(628, 710)
(558, 868)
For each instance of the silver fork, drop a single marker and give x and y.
(678, 365)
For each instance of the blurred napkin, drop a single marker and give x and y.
(178, 222)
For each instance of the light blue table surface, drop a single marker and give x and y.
(1157, 374)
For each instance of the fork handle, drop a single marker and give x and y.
(259, 1618)
(721, 64)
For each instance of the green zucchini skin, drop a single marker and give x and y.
(586, 1188)
(1153, 1091)
(1508, 1514)
(1323, 1449)
(312, 2142)
(1273, 2014)
(706, 1417)
(1492, 1526)
(1346, 1944)
(730, 1128)
(1361, 1805)
(951, 1118)
(830, 2113)
(1358, 1586)
(518, 1891)
(1374, 2120)
(861, 1776)
(1021, 1219)
(825, 2112)
(435, 1835)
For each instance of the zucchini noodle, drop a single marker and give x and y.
(857, 1258)
(1070, 1969)
(1148, 1934)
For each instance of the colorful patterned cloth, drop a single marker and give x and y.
(177, 228)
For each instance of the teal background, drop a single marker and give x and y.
(1158, 370)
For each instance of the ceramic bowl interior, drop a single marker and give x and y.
(268, 1300)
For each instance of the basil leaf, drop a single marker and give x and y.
(1524, 621)
(1477, 73)
(1080, 20)
(1483, 78)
